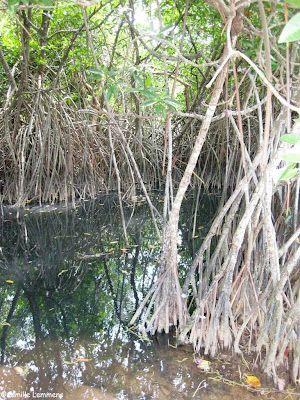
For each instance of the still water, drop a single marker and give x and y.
(69, 286)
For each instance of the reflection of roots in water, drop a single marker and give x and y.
(10, 380)
(86, 392)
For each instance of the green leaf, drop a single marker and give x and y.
(112, 72)
(13, 3)
(291, 31)
(295, 3)
(174, 104)
(95, 72)
(148, 103)
(12, 6)
(149, 93)
(165, 28)
(139, 80)
(136, 90)
(297, 120)
(292, 157)
(289, 138)
(112, 91)
(109, 93)
(160, 110)
(116, 90)
(288, 173)
(46, 3)
(164, 95)
(148, 81)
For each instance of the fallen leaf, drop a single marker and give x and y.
(110, 250)
(19, 370)
(83, 359)
(204, 365)
(252, 381)
(87, 234)
(9, 281)
(124, 250)
(124, 272)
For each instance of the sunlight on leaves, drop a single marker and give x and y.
(291, 31)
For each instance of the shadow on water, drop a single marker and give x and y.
(69, 285)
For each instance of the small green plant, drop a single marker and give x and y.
(160, 99)
(292, 156)
(112, 84)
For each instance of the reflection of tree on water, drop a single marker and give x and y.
(7, 322)
(74, 278)
(73, 270)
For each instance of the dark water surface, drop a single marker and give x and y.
(69, 286)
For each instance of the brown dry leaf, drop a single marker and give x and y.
(286, 353)
(83, 359)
